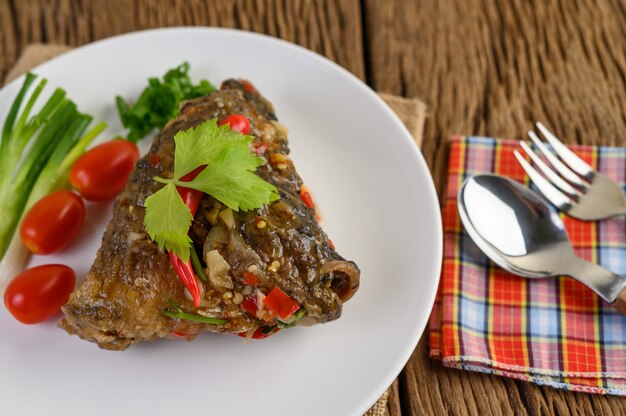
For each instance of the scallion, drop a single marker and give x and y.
(36, 154)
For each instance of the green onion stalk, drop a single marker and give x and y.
(36, 155)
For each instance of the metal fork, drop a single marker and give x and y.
(570, 183)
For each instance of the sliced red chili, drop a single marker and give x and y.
(191, 198)
(247, 85)
(179, 334)
(305, 196)
(261, 332)
(330, 243)
(250, 279)
(249, 304)
(187, 276)
(237, 122)
(279, 302)
(155, 159)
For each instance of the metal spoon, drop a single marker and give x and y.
(523, 234)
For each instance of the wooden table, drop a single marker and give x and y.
(483, 67)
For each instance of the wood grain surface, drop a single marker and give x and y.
(483, 67)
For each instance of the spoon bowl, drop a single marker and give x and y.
(522, 233)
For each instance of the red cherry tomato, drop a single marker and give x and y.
(37, 294)
(237, 122)
(53, 222)
(101, 173)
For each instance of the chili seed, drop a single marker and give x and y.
(274, 266)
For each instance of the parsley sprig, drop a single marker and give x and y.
(228, 177)
(159, 102)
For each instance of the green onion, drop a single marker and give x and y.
(36, 155)
(197, 267)
(177, 312)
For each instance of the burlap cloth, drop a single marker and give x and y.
(411, 111)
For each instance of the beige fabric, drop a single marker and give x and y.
(411, 111)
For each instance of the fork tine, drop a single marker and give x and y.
(547, 189)
(573, 161)
(554, 161)
(553, 177)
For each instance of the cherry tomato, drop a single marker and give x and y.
(237, 122)
(53, 222)
(101, 173)
(37, 294)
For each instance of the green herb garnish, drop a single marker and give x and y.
(228, 177)
(176, 311)
(160, 101)
(197, 267)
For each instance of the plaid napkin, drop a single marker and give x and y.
(552, 331)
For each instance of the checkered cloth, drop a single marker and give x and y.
(551, 331)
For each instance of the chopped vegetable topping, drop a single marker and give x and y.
(228, 176)
(160, 101)
(237, 122)
(249, 304)
(185, 273)
(293, 320)
(305, 196)
(279, 302)
(248, 86)
(250, 279)
(260, 333)
(175, 311)
(197, 267)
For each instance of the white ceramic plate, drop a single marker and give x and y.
(379, 207)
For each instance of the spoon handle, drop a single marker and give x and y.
(610, 286)
(620, 302)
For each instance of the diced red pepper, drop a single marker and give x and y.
(305, 196)
(237, 122)
(179, 334)
(250, 279)
(279, 302)
(249, 304)
(154, 159)
(261, 332)
(330, 243)
(249, 87)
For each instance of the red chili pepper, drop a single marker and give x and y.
(179, 334)
(237, 122)
(247, 85)
(261, 332)
(249, 304)
(330, 243)
(279, 302)
(305, 196)
(154, 159)
(187, 276)
(191, 198)
(250, 279)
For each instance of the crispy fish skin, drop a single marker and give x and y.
(122, 299)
